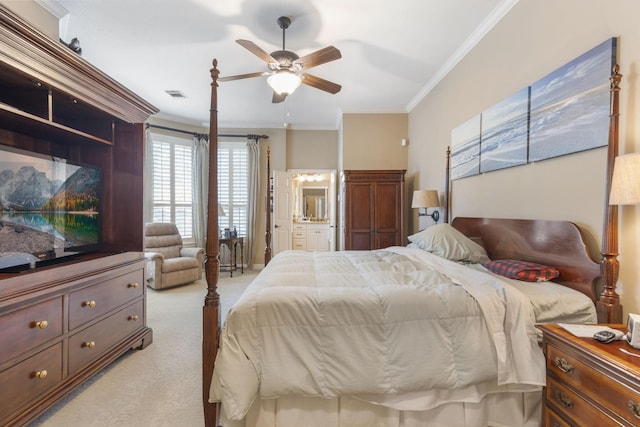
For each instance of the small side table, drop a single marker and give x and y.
(232, 244)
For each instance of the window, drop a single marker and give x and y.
(233, 192)
(172, 183)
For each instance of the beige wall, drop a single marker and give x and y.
(373, 141)
(533, 39)
(310, 149)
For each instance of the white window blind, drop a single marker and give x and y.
(172, 183)
(233, 191)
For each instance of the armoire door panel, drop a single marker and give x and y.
(384, 240)
(361, 201)
(387, 203)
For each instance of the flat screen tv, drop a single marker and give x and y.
(49, 209)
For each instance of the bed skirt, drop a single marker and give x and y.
(497, 409)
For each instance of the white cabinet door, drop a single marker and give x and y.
(282, 211)
(319, 237)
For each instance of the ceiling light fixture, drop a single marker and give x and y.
(284, 82)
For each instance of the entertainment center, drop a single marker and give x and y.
(62, 322)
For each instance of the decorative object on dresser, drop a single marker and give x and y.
(373, 209)
(588, 382)
(174, 264)
(426, 199)
(64, 321)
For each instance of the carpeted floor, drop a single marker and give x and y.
(160, 385)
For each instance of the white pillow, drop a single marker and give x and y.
(447, 242)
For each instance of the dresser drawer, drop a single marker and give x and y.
(573, 406)
(551, 419)
(28, 327)
(299, 234)
(96, 300)
(91, 343)
(598, 386)
(29, 379)
(300, 244)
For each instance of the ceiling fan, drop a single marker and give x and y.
(286, 68)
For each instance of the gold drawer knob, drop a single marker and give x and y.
(635, 408)
(42, 324)
(564, 365)
(133, 285)
(40, 374)
(88, 344)
(89, 304)
(133, 317)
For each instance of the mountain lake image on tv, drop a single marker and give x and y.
(49, 209)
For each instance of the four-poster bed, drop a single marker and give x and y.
(557, 243)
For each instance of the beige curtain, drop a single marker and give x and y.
(253, 185)
(200, 180)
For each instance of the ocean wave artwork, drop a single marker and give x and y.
(465, 149)
(503, 141)
(570, 106)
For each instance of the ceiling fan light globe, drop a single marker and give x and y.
(283, 82)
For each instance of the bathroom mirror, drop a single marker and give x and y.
(312, 197)
(314, 203)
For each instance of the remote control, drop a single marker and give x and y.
(604, 336)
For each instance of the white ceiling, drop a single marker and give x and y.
(393, 52)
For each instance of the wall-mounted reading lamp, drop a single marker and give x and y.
(625, 184)
(426, 199)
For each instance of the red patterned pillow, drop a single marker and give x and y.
(522, 270)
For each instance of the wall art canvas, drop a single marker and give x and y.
(570, 106)
(503, 141)
(465, 149)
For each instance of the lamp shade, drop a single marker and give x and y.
(625, 184)
(284, 82)
(425, 199)
(221, 211)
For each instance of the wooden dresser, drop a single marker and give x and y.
(373, 208)
(62, 323)
(590, 383)
(82, 318)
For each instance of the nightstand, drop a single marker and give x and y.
(589, 383)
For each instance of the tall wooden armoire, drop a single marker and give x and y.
(373, 209)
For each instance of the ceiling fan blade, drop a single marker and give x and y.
(256, 50)
(243, 76)
(318, 57)
(278, 98)
(320, 83)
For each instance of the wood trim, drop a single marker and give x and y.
(559, 244)
(211, 309)
(608, 306)
(25, 48)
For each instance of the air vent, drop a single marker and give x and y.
(175, 94)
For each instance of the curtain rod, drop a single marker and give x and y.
(224, 135)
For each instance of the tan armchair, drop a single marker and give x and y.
(174, 265)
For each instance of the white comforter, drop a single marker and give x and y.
(397, 326)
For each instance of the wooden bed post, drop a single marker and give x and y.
(446, 186)
(608, 305)
(267, 231)
(211, 308)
